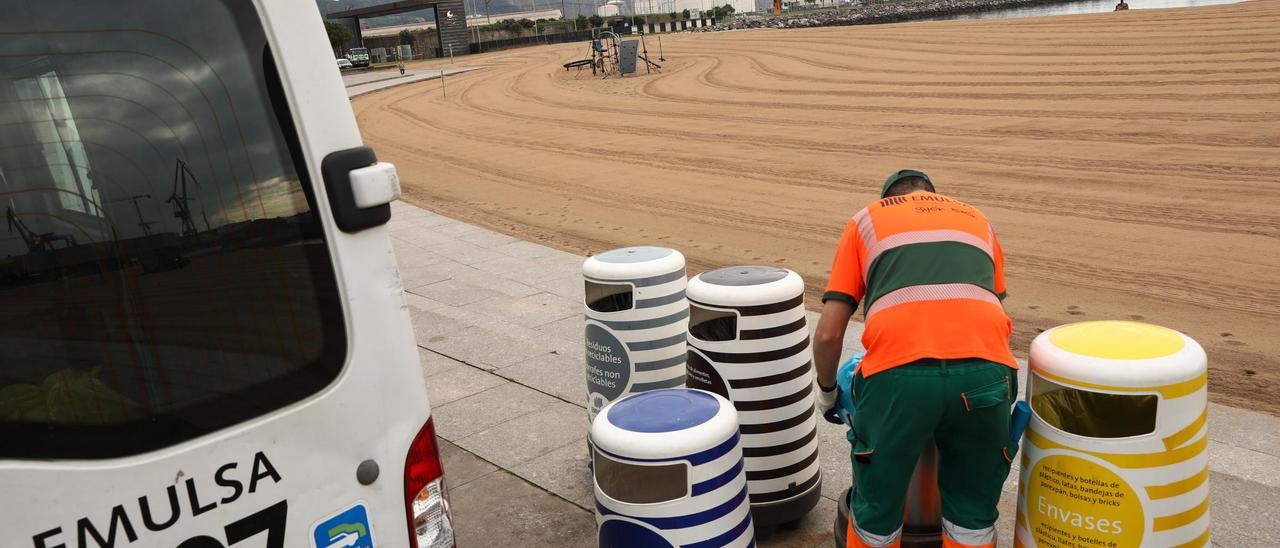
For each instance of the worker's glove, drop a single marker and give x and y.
(826, 398)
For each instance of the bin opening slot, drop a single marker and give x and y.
(602, 297)
(635, 483)
(712, 325)
(1093, 414)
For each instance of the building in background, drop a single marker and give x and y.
(450, 15)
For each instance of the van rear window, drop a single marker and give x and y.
(162, 271)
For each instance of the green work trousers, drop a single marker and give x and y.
(963, 405)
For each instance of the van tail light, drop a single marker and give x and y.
(426, 501)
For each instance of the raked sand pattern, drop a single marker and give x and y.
(1130, 161)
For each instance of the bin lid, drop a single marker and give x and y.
(632, 263)
(745, 285)
(664, 424)
(1120, 356)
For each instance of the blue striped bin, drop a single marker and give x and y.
(668, 471)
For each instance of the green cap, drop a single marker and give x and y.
(899, 175)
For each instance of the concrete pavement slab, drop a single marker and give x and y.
(459, 383)
(570, 328)
(472, 285)
(1243, 513)
(409, 255)
(515, 337)
(453, 292)
(528, 436)
(434, 364)
(420, 236)
(833, 452)
(558, 375)
(1245, 429)
(487, 239)
(569, 287)
(484, 410)
(531, 311)
(426, 271)
(461, 467)
(490, 349)
(500, 509)
(813, 530)
(563, 472)
(1245, 464)
(522, 249)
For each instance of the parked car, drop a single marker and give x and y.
(343, 64)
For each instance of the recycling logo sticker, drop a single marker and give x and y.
(349, 528)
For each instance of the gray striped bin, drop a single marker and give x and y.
(636, 316)
(749, 342)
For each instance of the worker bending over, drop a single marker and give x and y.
(929, 273)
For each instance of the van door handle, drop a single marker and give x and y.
(360, 188)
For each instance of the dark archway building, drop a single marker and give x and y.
(451, 21)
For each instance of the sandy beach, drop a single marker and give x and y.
(1129, 161)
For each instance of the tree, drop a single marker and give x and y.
(728, 9)
(406, 38)
(582, 21)
(526, 23)
(596, 20)
(673, 16)
(339, 33)
(685, 14)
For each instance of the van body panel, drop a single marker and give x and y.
(294, 466)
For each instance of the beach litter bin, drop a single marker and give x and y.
(667, 470)
(749, 342)
(922, 520)
(636, 315)
(1116, 450)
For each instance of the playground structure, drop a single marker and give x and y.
(610, 54)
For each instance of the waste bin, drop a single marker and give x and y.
(749, 342)
(1116, 450)
(636, 315)
(667, 466)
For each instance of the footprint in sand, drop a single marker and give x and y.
(1074, 310)
(1137, 317)
(1250, 372)
(1234, 343)
(1225, 334)
(1033, 307)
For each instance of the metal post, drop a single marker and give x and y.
(442, 93)
(450, 54)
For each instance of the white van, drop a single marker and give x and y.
(205, 340)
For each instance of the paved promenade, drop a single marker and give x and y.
(499, 328)
(500, 331)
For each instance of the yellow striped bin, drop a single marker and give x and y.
(1116, 453)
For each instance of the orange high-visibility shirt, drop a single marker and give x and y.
(930, 273)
